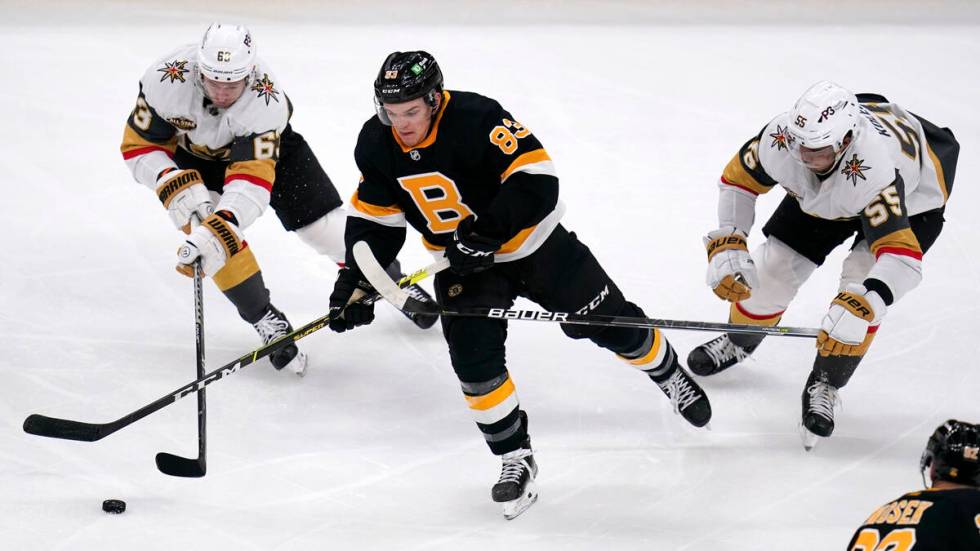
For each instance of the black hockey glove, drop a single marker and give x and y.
(350, 287)
(470, 252)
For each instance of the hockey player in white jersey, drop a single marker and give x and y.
(851, 165)
(211, 135)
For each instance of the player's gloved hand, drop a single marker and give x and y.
(470, 252)
(731, 272)
(215, 241)
(345, 310)
(182, 193)
(845, 326)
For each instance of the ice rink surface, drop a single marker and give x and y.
(640, 105)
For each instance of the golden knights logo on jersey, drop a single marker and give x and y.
(174, 70)
(266, 89)
(854, 169)
(781, 138)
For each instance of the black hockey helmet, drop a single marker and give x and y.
(953, 453)
(405, 76)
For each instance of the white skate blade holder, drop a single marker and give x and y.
(514, 507)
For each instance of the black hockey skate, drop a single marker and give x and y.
(717, 355)
(515, 489)
(819, 398)
(687, 397)
(273, 326)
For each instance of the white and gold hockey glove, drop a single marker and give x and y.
(731, 272)
(845, 327)
(182, 193)
(215, 241)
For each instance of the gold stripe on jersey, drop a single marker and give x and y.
(899, 242)
(433, 131)
(236, 270)
(133, 144)
(940, 176)
(736, 175)
(738, 314)
(516, 241)
(535, 162)
(260, 172)
(373, 210)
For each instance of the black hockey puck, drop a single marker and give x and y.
(114, 506)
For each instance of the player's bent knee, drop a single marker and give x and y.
(326, 234)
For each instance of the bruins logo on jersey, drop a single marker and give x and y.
(265, 89)
(182, 123)
(175, 70)
(854, 169)
(781, 139)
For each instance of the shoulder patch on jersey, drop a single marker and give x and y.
(265, 89)
(781, 138)
(183, 123)
(854, 169)
(174, 70)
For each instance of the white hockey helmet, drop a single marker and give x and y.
(227, 53)
(824, 116)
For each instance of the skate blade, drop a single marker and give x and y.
(809, 439)
(298, 365)
(513, 508)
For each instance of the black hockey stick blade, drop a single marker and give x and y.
(175, 465)
(52, 427)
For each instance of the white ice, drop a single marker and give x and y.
(640, 105)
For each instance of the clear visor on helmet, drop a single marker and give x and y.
(380, 109)
(820, 158)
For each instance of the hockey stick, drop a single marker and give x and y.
(67, 429)
(392, 293)
(175, 465)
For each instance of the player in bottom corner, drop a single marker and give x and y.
(946, 515)
(851, 165)
(482, 190)
(211, 135)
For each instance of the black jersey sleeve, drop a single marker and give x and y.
(528, 182)
(376, 217)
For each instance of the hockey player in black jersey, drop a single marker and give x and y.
(945, 516)
(481, 189)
